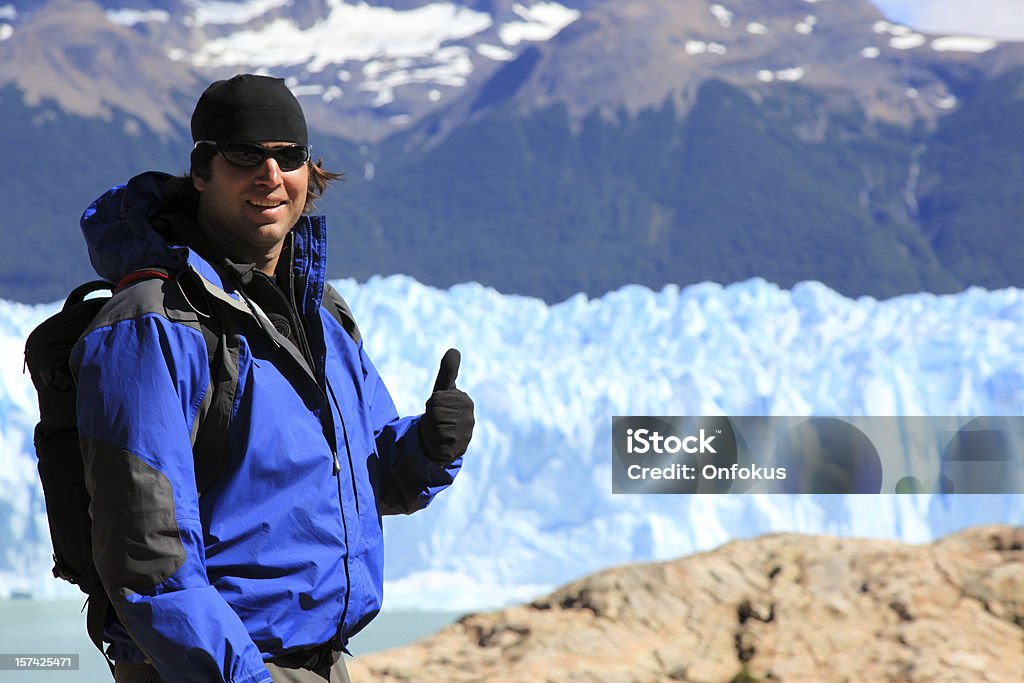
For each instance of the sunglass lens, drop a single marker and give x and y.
(241, 154)
(290, 158)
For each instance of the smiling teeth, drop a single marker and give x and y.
(265, 204)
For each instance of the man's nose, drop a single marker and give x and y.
(269, 172)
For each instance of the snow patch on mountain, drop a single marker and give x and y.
(495, 52)
(452, 67)
(225, 12)
(907, 41)
(723, 15)
(540, 22)
(886, 27)
(964, 44)
(348, 32)
(362, 32)
(806, 25)
(791, 75)
(131, 17)
(700, 47)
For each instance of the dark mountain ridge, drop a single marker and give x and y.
(656, 142)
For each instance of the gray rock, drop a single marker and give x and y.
(778, 608)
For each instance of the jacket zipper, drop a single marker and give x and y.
(348, 450)
(321, 375)
(336, 464)
(348, 577)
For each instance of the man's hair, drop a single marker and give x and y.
(181, 196)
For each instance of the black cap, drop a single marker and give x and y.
(249, 108)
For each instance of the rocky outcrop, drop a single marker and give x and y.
(778, 608)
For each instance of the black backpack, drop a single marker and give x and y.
(61, 471)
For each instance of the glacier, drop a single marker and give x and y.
(533, 506)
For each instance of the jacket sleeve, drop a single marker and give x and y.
(409, 480)
(140, 383)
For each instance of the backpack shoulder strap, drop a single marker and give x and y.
(339, 310)
(98, 606)
(209, 431)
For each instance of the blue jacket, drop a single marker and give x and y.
(284, 550)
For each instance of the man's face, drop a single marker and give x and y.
(249, 211)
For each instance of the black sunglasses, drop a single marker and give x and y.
(247, 154)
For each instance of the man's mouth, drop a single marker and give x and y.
(265, 203)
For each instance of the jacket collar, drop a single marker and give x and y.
(305, 252)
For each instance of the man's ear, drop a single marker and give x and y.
(198, 182)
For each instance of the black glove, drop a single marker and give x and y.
(447, 423)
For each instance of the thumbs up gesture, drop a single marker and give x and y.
(447, 423)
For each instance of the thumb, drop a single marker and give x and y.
(448, 371)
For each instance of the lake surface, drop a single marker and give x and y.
(30, 627)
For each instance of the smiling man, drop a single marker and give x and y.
(250, 214)
(250, 198)
(239, 445)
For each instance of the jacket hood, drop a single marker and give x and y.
(118, 232)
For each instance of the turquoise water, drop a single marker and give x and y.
(58, 628)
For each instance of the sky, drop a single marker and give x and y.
(994, 18)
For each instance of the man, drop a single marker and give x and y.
(239, 445)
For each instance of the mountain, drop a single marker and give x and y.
(550, 148)
(632, 57)
(777, 608)
(362, 68)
